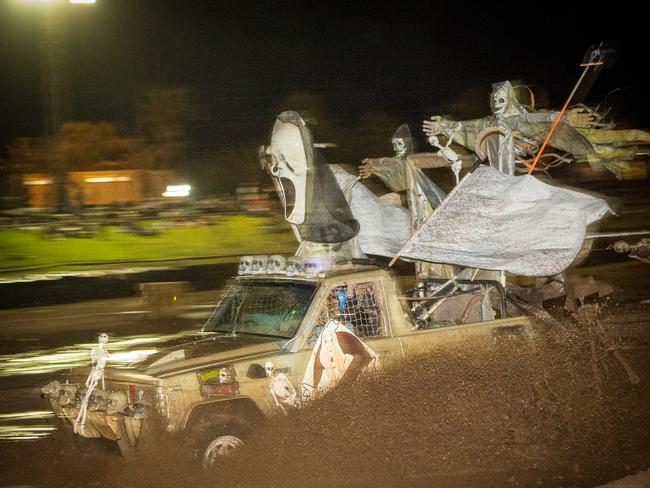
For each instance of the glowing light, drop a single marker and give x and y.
(85, 2)
(44, 181)
(107, 179)
(41, 2)
(177, 191)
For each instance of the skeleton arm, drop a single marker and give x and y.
(461, 132)
(391, 171)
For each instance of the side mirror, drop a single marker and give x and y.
(256, 371)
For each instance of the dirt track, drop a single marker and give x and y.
(561, 414)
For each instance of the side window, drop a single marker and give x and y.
(355, 305)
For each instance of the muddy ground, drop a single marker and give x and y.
(564, 412)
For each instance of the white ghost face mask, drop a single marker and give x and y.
(289, 166)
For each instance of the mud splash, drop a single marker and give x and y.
(502, 416)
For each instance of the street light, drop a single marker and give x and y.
(52, 26)
(52, 2)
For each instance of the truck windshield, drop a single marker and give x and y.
(264, 308)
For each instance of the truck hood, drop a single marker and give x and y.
(214, 348)
(187, 352)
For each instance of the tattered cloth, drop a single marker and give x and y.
(512, 223)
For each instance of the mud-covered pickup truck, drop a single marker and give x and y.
(273, 342)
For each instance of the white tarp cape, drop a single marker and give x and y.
(512, 223)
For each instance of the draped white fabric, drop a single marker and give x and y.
(513, 223)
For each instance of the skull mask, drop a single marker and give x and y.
(503, 100)
(225, 376)
(98, 400)
(51, 390)
(67, 395)
(79, 395)
(313, 266)
(402, 141)
(276, 264)
(294, 266)
(116, 403)
(245, 265)
(268, 367)
(259, 265)
(290, 165)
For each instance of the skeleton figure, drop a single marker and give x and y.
(403, 172)
(521, 130)
(639, 251)
(449, 154)
(98, 357)
(282, 391)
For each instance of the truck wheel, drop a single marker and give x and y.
(213, 437)
(223, 445)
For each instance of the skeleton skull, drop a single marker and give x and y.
(225, 376)
(276, 264)
(259, 264)
(116, 403)
(294, 266)
(98, 400)
(399, 148)
(402, 141)
(103, 338)
(503, 100)
(313, 266)
(79, 395)
(268, 367)
(245, 265)
(67, 395)
(51, 390)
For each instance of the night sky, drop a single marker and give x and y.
(410, 61)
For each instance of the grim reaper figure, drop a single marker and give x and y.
(520, 131)
(403, 173)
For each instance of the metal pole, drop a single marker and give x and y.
(53, 57)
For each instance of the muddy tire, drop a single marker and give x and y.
(214, 436)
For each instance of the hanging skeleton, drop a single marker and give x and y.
(283, 393)
(99, 356)
(449, 154)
